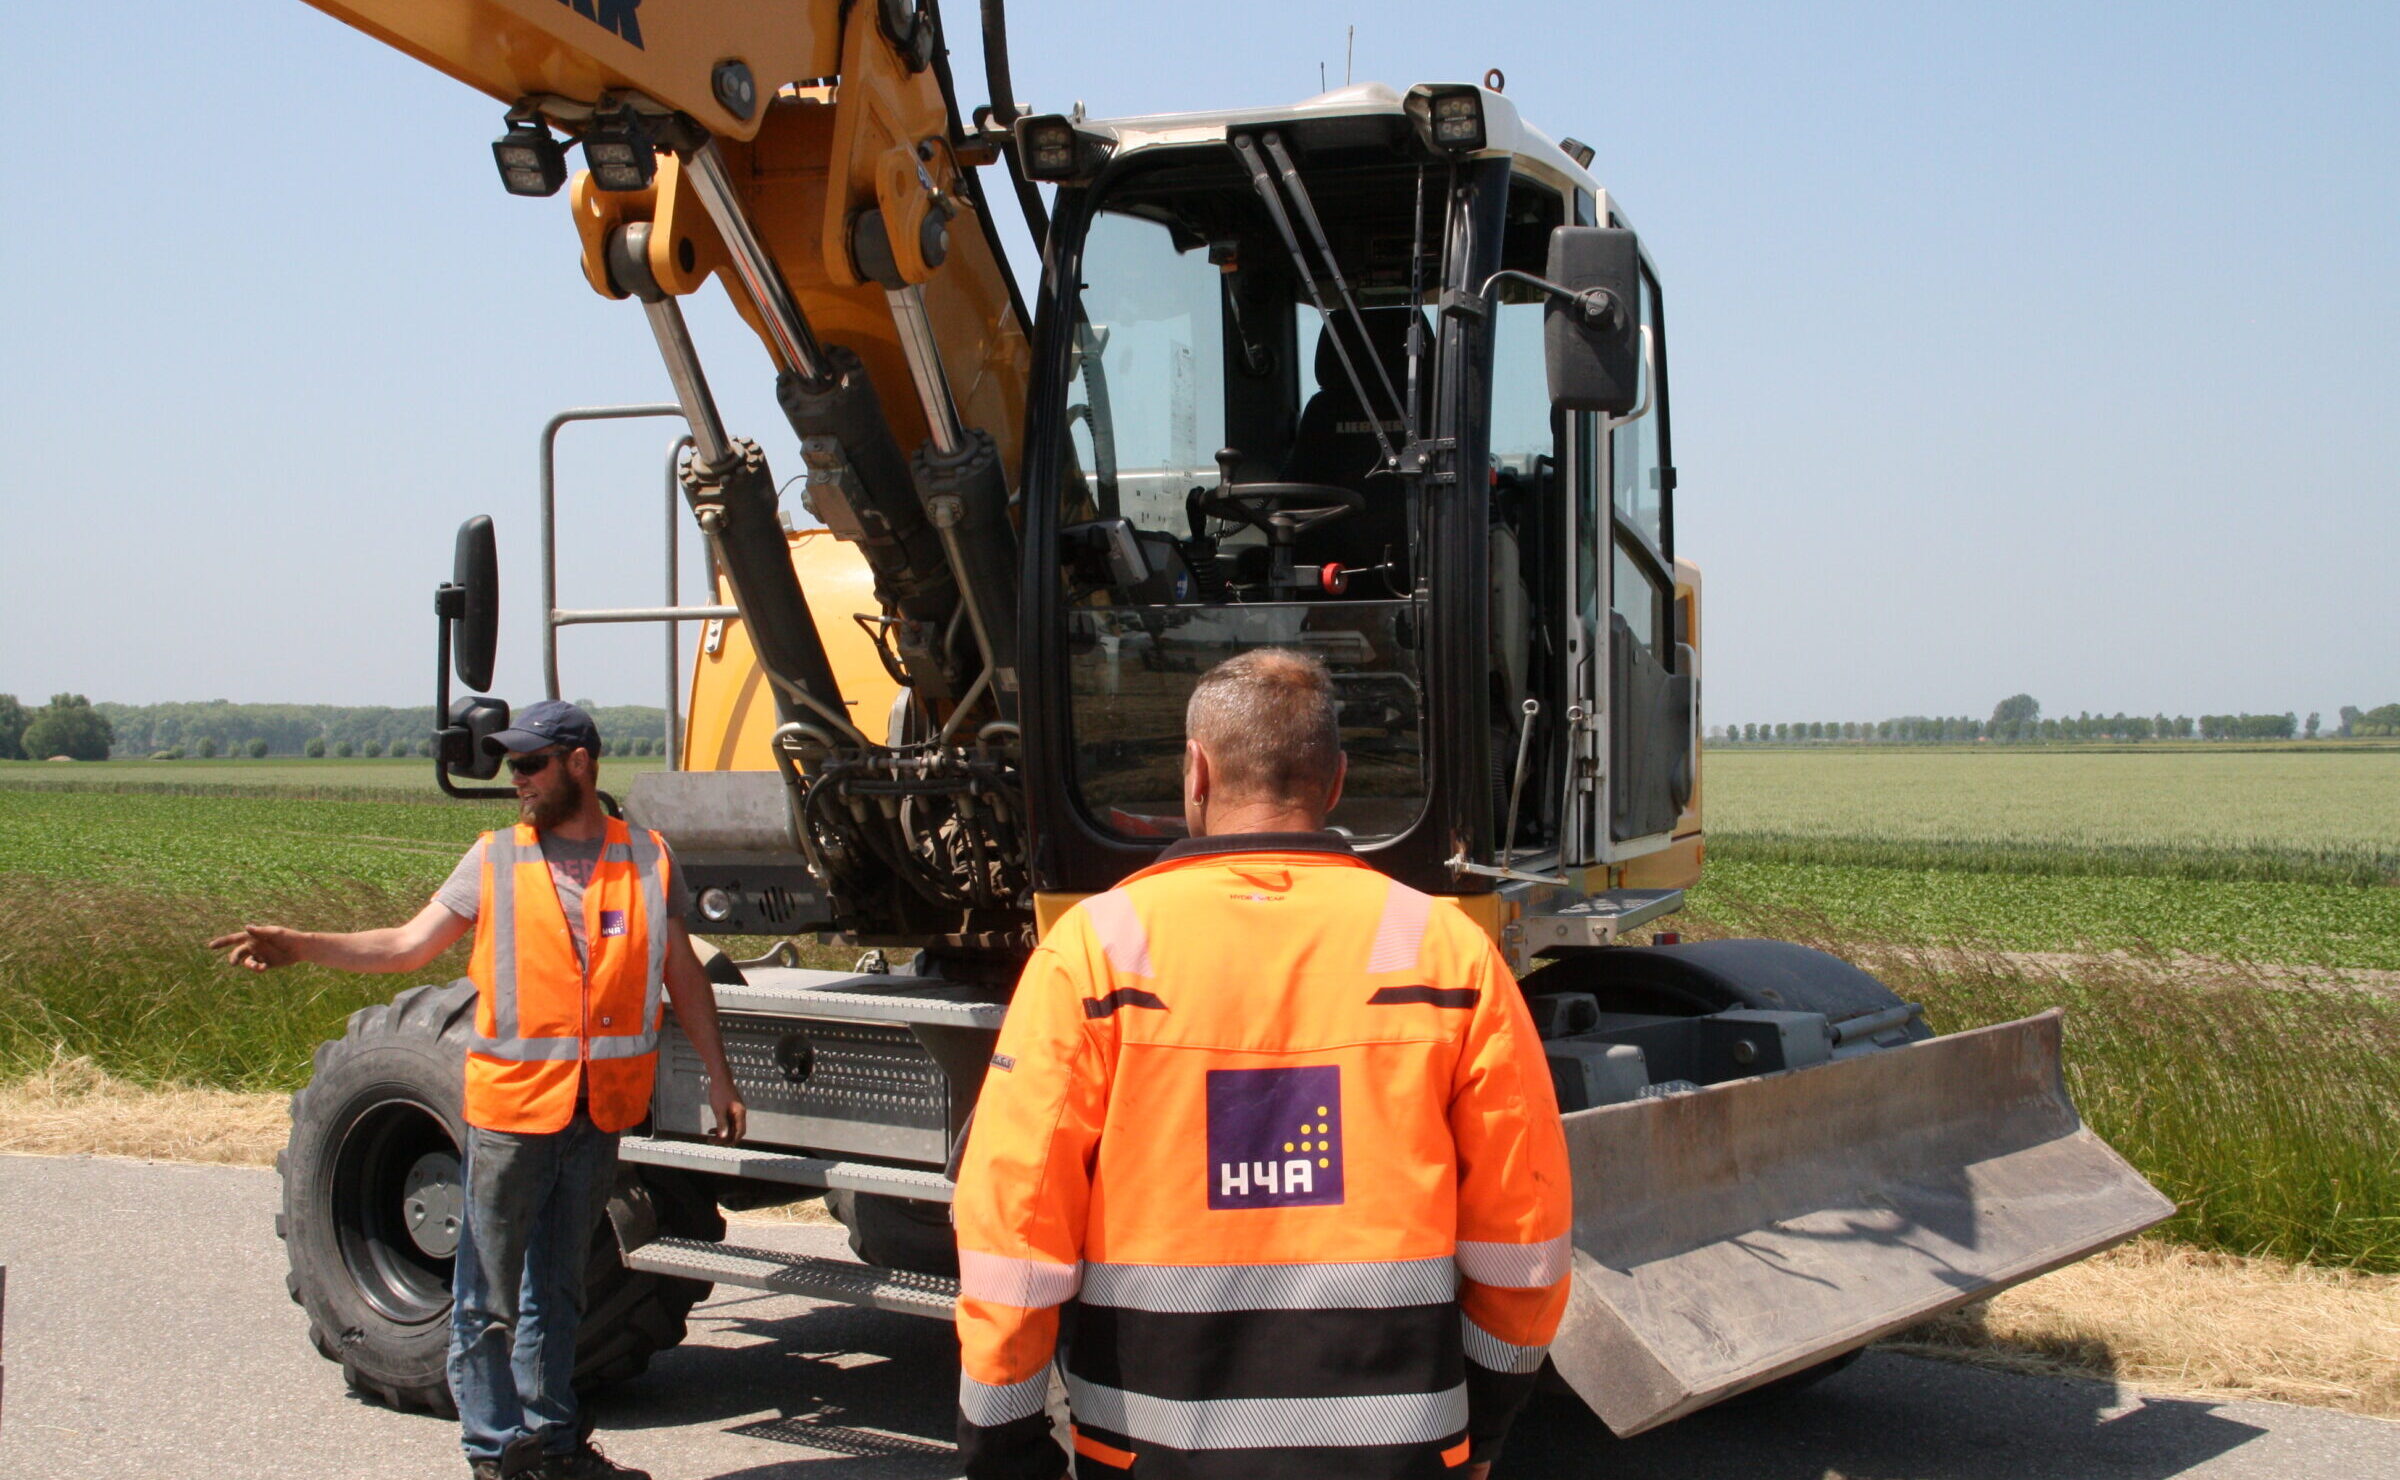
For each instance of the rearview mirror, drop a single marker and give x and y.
(1594, 365)
(475, 628)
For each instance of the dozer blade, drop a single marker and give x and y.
(1733, 1235)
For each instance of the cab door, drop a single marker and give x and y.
(1648, 709)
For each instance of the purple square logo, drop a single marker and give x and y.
(612, 922)
(1274, 1137)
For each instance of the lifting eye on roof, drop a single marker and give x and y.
(1449, 117)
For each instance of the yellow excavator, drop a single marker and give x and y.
(1381, 375)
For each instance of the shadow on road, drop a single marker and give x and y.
(1893, 1416)
(867, 1396)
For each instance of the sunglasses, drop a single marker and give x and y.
(531, 765)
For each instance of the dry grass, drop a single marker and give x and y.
(2182, 1320)
(74, 1108)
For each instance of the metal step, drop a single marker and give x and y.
(1588, 922)
(784, 991)
(799, 1274)
(787, 1167)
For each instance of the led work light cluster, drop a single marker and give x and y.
(1449, 119)
(619, 149)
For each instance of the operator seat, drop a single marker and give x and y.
(1335, 441)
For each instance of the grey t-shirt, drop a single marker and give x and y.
(571, 863)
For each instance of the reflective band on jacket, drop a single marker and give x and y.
(990, 1405)
(1271, 1423)
(1204, 1288)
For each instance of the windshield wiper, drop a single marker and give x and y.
(1341, 285)
(1265, 185)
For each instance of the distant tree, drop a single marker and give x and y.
(424, 750)
(342, 749)
(68, 725)
(373, 748)
(13, 720)
(316, 748)
(208, 747)
(2383, 719)
(2013, 714)
(256, 750)
(2351, 714)
(2314, 720)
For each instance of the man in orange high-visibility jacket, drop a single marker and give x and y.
(578, 928)
(1282, 1132)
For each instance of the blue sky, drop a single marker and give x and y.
(2035, 347)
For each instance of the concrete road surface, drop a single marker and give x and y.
(148, 1336)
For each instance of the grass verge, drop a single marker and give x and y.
(2162, 1316)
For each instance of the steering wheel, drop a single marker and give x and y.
(1282, 511)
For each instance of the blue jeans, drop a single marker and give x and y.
(533, 1202)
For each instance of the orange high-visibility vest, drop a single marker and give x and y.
(1283, 1130)
(545, 1022)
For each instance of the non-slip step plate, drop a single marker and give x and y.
(798, 1274)
(786, 1167)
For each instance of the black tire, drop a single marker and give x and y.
(384, 1103)
(897, 1232)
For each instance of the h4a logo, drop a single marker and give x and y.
(1274, 1137)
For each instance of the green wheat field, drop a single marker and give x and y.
(2222, 926)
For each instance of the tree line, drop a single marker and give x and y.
(2018, 719)
(73, 726)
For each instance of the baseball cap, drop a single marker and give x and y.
(551, 722)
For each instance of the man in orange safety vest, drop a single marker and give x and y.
(578, 925)
(1276, 1135)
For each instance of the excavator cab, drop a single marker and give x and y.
(1296, 389)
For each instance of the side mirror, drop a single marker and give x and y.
(1594, 358)
(475, 625)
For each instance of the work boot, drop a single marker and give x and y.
(587, 1463)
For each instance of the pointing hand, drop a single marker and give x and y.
(259, 947)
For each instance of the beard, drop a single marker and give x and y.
(547, 810)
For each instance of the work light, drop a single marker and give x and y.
(1448, 119)
(620, 151)
(1052, 148)
(531, 162)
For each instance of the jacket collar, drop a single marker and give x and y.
(1267, 842)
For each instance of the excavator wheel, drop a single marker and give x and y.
(372, 1199)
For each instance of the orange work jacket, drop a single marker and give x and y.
(1282, 1131)
(546, 1023)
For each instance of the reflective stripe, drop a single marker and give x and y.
(1029, 1284)
(1271, 1423)
(1517, 1266)
(986, 1406)
(1400, 934)
(614, 1045)
(1186, 1289)
(500, 863)
(1122, 938)
(643, 853)
(528, 1050)
(1490, 1352)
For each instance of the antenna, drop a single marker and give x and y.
(1320, 77)
(1349, 53)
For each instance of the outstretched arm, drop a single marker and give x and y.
(399, 948)
(695, 1003)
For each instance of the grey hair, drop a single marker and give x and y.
(1267, 720)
